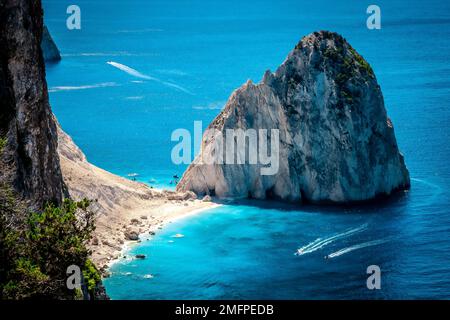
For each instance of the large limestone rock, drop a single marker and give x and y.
(337, 143)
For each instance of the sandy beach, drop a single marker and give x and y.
(111, 237)
(125, 210)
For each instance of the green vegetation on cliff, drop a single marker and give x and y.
(37, 247)
(38, 240)
(2, 144)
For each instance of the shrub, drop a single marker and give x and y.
(2, 143)
(362, 63)
(39, 246)
(91, 275)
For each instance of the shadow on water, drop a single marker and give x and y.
(379, 204)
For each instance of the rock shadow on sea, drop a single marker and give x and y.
(381, 203)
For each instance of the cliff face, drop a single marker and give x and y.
(30, 163)
(29, 159)
(336, 143)
(49, 48)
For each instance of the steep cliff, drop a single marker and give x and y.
(49, 48)
(29, 157)
(40, 235)
(336, 143)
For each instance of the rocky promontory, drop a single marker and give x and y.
(49, 49)
(336, 142)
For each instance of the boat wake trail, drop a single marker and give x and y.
(83, 87)
(130, 71)
(320, 243)
(432, 192)
(137, 74)
(356, 247)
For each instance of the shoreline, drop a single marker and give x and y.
(125, 210)
(132, 223)
(147, 236)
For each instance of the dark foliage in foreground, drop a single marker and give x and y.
(37, 247)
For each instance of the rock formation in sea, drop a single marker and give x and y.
(29, 158)
(336, 142)
(49, 48)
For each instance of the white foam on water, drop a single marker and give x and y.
(134, 98)
(302, 250)
(172, 72)
(130, 71)
(356, 247)
(320, 243)
(173, 85)
(137, 74)
(83, 87)
(432, 197)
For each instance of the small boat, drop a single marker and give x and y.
(133, 175)
(178, 235)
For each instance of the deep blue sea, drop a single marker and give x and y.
(188, 57)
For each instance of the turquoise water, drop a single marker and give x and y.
(190, 56)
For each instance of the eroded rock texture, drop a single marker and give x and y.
(337, 143)
(29, 158)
